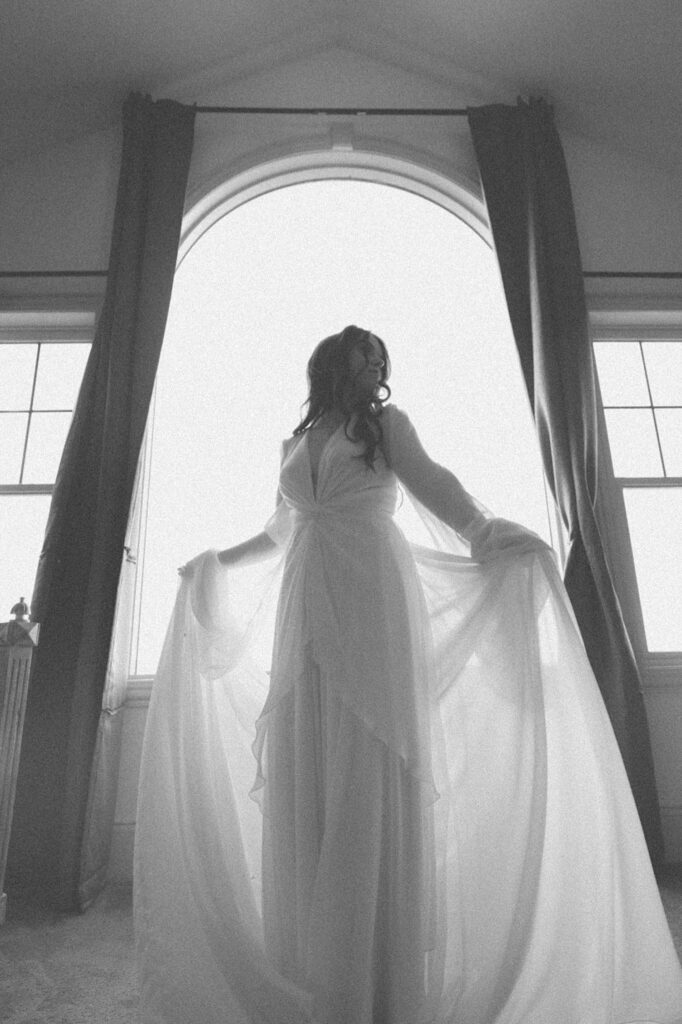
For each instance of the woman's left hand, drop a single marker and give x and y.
(500, 536)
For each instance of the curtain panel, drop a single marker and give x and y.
(528, 197)
(80, 564)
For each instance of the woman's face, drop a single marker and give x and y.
(365, 363)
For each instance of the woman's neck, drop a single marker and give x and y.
(332, 418)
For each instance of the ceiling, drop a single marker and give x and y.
(610, 67)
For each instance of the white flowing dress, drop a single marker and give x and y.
(379, 784)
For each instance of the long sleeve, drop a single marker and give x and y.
(444, 496)
(433, 485)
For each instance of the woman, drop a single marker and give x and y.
(444, 831)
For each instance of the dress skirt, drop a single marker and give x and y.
(379, 786)
(347, 877)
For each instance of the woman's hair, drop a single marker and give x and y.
(331, 382)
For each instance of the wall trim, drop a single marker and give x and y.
(661, 670)
(139, 691)
(342, 33)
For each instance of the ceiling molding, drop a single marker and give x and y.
(305, 42)
(339, 34)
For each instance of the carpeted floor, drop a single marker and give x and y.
(70, 969)
(81, 970)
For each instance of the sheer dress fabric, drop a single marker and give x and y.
(379, 785)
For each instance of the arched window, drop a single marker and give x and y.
(254, 294)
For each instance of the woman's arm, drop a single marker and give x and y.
(263, 545)
(443, 495)
(253, 550)
(432, 484)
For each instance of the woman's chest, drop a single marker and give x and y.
(317, 465)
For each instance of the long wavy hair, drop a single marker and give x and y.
(330, 382)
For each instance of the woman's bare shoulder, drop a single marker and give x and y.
(390, 419)
(393, 417)
(289, 443)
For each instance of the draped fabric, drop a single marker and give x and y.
(80, 564)
(378, 781)
(528, 197)
(99, 819)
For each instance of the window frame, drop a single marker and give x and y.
(41, 327)
(35, 317)
(612, 319)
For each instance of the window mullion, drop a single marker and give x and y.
(30, 414)
(651, 404)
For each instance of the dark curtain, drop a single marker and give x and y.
(78, 575)
(528, 196)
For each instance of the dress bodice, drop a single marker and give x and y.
(345, 485)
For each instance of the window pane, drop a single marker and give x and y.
(17, 366)
(632, 439)
(621, 373)
(22, 526)
(655, 524)
(13, 433)
(664, 368)
(60, 371)
(45, 445)
(670, 431)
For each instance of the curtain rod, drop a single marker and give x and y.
(665, 274)
(346, 111)
(54, 273)
(655, 274)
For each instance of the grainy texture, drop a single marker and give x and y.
(69, 969)
(81, 970)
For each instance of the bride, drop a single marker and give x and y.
(379, 785)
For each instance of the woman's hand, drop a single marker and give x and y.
(189, 569)
(493, 537)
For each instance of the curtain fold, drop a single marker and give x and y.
(530, 208)
(80, 564)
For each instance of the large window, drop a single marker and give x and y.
(251, 299)
(640, 374)
(42, 358)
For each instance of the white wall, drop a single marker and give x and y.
(56, 213)
(56, 210)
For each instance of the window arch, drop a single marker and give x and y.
(423, 279)
(210, 200)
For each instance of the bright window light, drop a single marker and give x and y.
(664, 369)
(634, 446)
(23, 518)
(654, 517)
(642, 396)
(39, 382)
(250, 301)
(622, 377)
(60, 371)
